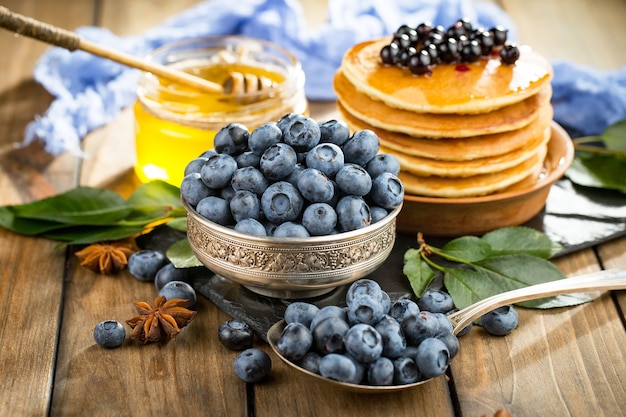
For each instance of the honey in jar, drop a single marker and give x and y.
(174, 124)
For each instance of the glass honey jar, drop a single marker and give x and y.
(174, 124)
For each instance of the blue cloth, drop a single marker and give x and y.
(90, 91)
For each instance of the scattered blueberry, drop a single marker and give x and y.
(501, 321)
(235, 335)
(252, 365)
(169, 273)
(109, 333)
(145, 264)
(179, 289)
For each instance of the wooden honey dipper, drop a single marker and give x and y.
(237, 83)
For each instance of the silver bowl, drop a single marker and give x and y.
(291, 268)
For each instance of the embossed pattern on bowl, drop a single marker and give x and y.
(291, 267)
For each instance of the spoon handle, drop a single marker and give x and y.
(53, 35)
(611, 279)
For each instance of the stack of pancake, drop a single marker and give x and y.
(466, 130)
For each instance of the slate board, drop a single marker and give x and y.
(575, 217)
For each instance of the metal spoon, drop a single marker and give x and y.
(612, 279)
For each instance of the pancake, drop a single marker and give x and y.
(478, 87)
(433, 186)
(454, 169)
(455, 149)
(378, 114)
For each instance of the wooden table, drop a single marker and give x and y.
(566, 362)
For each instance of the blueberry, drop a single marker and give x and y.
(168, 273)
(394, 343)
(215, 209)
(227, 193)
(284, 121)
(249, 179)
(248, 159)
(354, 179)
(405, 371)
(295, 341)
(291, 229)
(509, 54)
(352, 213)
(144, 264)
(192, 189)
(311, 362)
(365, 309)
(281, 202)
(380, 372)
(109, 333)
(501, 321)
(300, 312)
(432, 358)
(218, 171)
(251, 226)
(499, 34)
(293, 177)
(302, 133)
(451, 342)
(263, 137)
(378, 213)
(320, 219)
(403, 308)
(195, 165)
(278, 161)
(435, 301)
(328, 335)
(387, 191)
(252, 365)
(326, 157)
(235, 335)
(383, 162)
(340, 368)
(364, 343)
(362, 146)
(232, 139)
(329, 311)
(179, 289)
(361, 287)
(334, 131)
(417, 327)
(315, 186)
(245, 205)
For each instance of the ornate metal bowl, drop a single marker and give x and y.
(290, 267)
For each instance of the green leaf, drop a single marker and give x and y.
(154, 201)
(181, 255)
(467, 286)
(614, 137)
(563, 300)
(418, 272)
(79, 206)
(29, 227)
(599, 171)
(179, 223)
(467, 249)
(82, 235)
(521, 240)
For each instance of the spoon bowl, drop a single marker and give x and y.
(607, 280)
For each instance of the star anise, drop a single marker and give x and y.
(106, 257)
(161, 323)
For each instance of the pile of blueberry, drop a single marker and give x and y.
(371, 341)
(374, 341)
(293, 178)
(421, 48)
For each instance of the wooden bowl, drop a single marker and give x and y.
(453, 217)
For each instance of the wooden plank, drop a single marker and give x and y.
(31, 279)
(575, 355)
(613, 255)
(184, 377)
